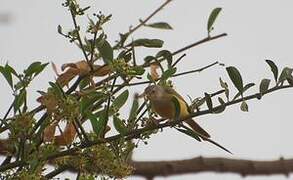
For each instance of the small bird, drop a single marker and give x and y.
(162, 102)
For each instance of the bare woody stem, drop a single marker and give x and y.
(219, 165)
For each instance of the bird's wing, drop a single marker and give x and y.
(171, 91)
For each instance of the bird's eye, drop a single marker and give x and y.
(153, 91)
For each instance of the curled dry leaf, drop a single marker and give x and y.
(49, 132)
(49, 101)
(154, 73)
(102, 70)
(5, 146)
(67, 136)
(80, 68)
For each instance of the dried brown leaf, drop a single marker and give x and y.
(49, 132)
(67, 136)
(154, 73)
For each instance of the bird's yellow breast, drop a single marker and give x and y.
(165, 107)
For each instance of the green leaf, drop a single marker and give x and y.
(149, 58)
(244, 106)
(98, 124)
(57, 89)
(290, 80)
(150, 43)
(120, 100)
(166, 55)
(236, 78)
(223, 106)
(160, 25)
(212, 18)
(7, 73)
(274, 69)
(177, 107)
(10, 69)
(286, 72)
(264, 85)
(138, 70)
(88, 101)
(105, 50)
(119, 125)
(150, 78)
(19, 100)
(190, 133)
(168, 73)
(246, 87)
(133, 110)
(209, 101)
(35, 68)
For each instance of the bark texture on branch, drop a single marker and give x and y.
(221, 165)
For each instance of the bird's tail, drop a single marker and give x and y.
(196, 127)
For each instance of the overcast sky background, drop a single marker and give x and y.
(257, 30)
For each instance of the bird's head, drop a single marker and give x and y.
(154, 92)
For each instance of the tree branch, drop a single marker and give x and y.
(219, 165)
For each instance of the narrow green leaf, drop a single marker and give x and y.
(290, 80)
(19, 100)
(35, 68)
(177, 107)
(10, 69)
(138, 70)
(119, 125)
(223, 107)
(212, 18)
(209, 101)
(150, 78)
(246, 87)
(264, 85)
(168, 73)
(40, 69)
(98, 123)
(32, 67)
(166, 55)
(190, 133)
(244, 106)
(7, 75)
(150, 43)
(120, 100)
(105, 50)
(133, 110)
(57, 89)
(160, 25)
(274, 69)
(149, 58)
(286, 72)
(236, 78)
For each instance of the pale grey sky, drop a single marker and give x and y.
(257, 30)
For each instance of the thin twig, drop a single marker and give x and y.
(143, 22)
(175, 75)
(78, 34)
(178, 60)
(207, 39)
